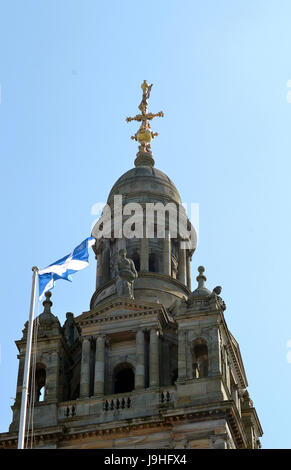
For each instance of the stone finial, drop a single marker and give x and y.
(47, 303)
(201, 290)
(201, 279)
(47, 317)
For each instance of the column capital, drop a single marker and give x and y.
(108, 341)
(86, 338)
(99, 336)
(139, 331)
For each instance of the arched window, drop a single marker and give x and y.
(199, 359)
(123, 378)
(40, 379)
(136, 259)
(174, 376)
(76, 392)
(153, 263)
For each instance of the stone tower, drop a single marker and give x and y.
(152, 364)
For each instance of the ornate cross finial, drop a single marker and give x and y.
(144, 135)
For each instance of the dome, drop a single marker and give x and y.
(200, 292)
(145, 180)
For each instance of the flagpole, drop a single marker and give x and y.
(23, 409)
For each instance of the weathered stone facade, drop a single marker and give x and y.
(159, 370)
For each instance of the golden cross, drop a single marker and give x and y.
(144, 135)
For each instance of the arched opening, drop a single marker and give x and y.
(174, 376)
(199, 359)
(76, 392)
(136, 259)
(40, 379)
(123, 378)
(153, 263)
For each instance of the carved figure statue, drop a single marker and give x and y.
(146, 91)
(126, 275)
(215, 294)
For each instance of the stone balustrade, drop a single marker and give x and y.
(117, 404)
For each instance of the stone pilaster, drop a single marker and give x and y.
(140, 361)
(99, 366)
(166, 363)
(144, 254)
(99, 270)
(20, 378)
(214, 353)
(189, 365)
(52, 377)
(182, 276)
(188, 271)
(167, 254)
(182, 371)
(154, 358)
(121, 244)
(85, 368)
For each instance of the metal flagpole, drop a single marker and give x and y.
(24, 395)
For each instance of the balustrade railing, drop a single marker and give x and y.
(117, 404)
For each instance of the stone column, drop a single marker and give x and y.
(99, 366)
(167, 254)
(52, 377)
(154, 358)
(99, 270)
(21, 358)
(85, 369)
(144, 253)
(182, 372)
(105, 263)
(166, 379)
(140, 359)
(189, 362)
(188, 269)
(121, 244)
(220, 442)
(182, 266)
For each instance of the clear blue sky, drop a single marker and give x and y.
(70, 74)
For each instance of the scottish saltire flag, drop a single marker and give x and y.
(65, 267)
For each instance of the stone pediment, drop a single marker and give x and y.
(121, 309)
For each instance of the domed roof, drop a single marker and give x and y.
(145, 180)
(200, 292)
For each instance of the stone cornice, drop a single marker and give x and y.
(115, 319)
(165, 419)
(252, 414)
(133, 309)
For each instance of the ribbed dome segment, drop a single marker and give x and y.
(145, 180)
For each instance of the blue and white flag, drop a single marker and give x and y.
(66, 266)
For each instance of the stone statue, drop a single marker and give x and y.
(126, 275)
(146, 91)
(215, 294)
